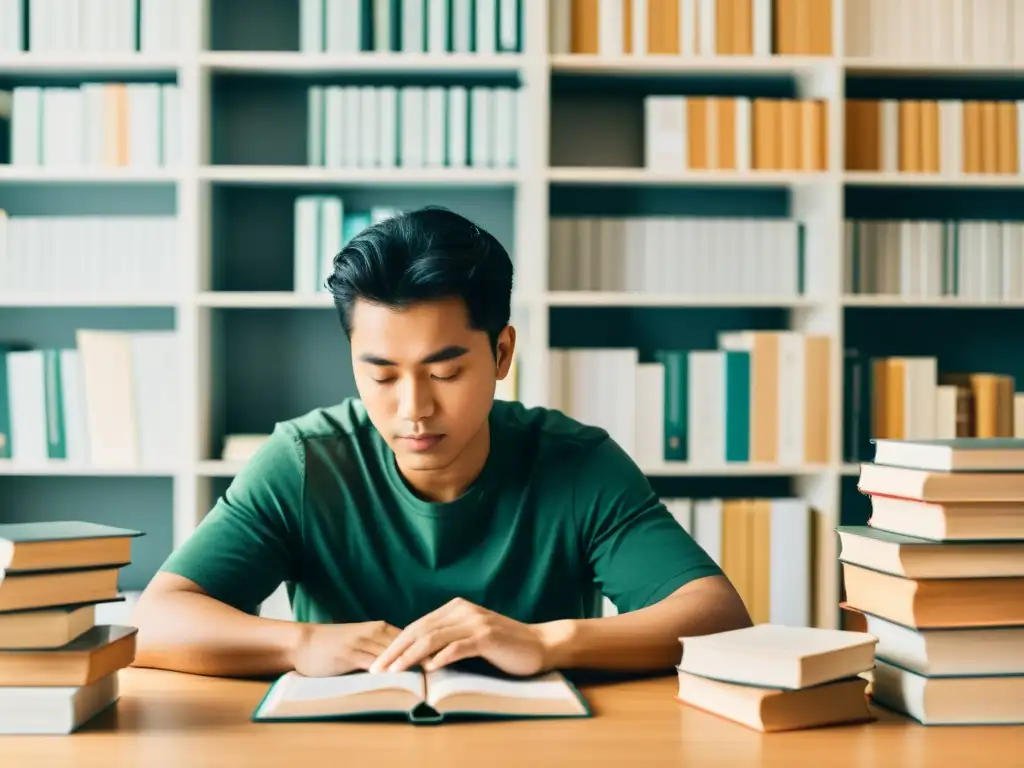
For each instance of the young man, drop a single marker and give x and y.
(425, 523)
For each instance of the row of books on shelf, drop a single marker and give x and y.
(691, 27)
(973, 260)
(90, 26)
(941, 31)
(56, 579)
(947, 136)
(749, 256)
(734, 133)
(413, 126)
(937, 575)
(113, 400)
(760, 396)
(764, 545)
(912, 400)
(92, 255)
(411, 26)
(323, 226)
(680, 255)
(961, 31)
(136, 125)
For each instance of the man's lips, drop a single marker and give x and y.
(421, 442)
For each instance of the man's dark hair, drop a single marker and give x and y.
(427, 254)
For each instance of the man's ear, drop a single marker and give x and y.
(505, 351)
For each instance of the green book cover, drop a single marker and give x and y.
(676, 364)
(56, 433)
(737, 405)
(354, 223)
(62, 530)
(946, 545)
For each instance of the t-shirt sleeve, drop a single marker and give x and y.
(246, 546)
(638, 552)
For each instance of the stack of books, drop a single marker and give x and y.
(772, 677)
(938, 576)
(58, 667)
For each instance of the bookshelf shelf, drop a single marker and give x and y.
(682, 469)
(88, 64)
(310, 175)
(253, 354)
(933, 180)
(305, 64)
(84, 300)
(912, 302)
(643, 176)
(10, 468)
(10, 174)
(877, 67)
(740, 66)
(265, 300)
(637, 299)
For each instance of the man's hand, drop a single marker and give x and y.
(460, 630)
(336, 649)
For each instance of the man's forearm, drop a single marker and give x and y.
(191, 632)
(647, 639)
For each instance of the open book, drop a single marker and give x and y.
(420, 697)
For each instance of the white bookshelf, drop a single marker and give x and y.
(816, 198)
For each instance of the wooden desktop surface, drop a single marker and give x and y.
(169, 719)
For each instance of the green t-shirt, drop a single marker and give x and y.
(559, 515)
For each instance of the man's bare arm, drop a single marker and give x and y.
(184, 629)
(646, 639)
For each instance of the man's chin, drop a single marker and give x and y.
(423, 461)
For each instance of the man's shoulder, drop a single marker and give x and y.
(343, 420)
(327, 436)
(551, 436)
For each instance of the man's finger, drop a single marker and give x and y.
(361, 659)
(374, 645)
(457, 651)
(426, 646)
(401, 642)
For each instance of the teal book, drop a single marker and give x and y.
(676, 364)
(56, 430)
(420, 698)
(353, 223)
(737, 406)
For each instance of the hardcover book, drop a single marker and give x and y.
(420, 697)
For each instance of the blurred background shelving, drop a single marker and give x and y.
(666, 174)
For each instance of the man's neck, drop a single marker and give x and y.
(448, 484)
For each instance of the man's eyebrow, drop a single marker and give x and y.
(442, 355)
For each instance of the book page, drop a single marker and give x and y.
(305, 688)
(295, 689)
(448, 682)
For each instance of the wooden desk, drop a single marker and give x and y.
(167, 719)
